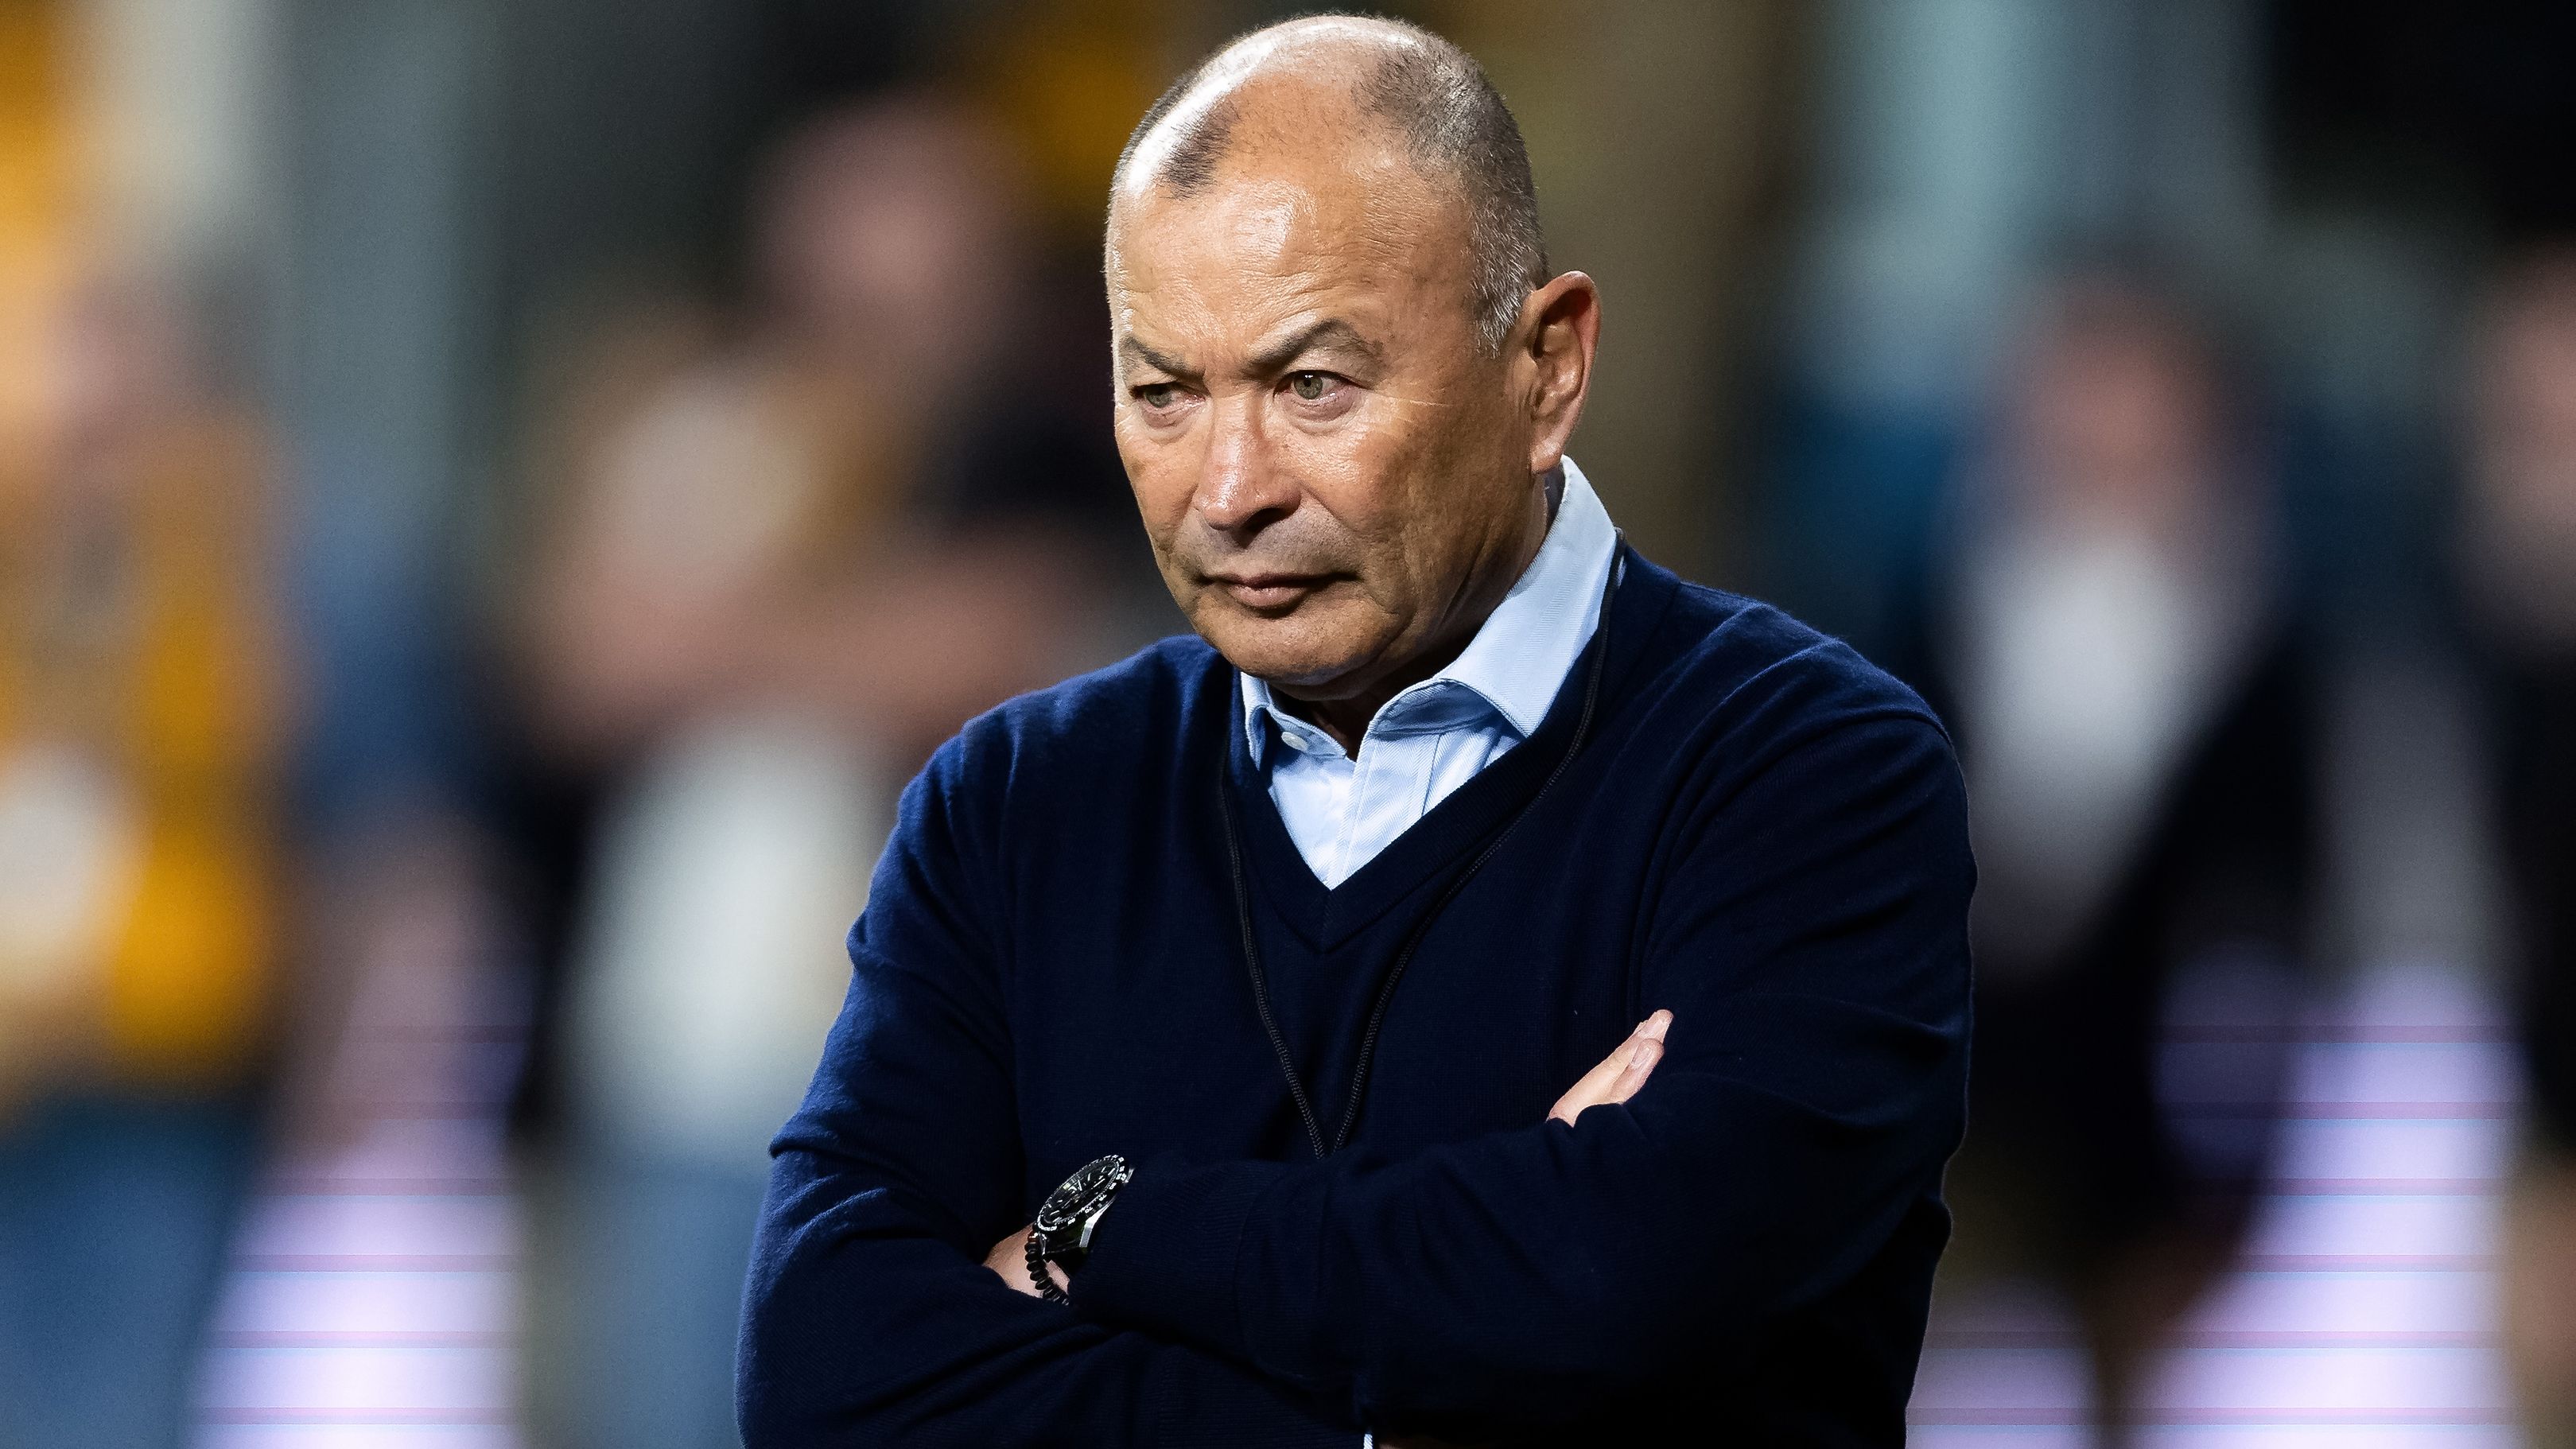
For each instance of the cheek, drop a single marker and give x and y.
(1358, 470)
(1448, 492)
(1161, 477)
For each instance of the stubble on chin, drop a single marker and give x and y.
(1297, 654)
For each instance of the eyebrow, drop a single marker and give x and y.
(1155, 360)
(1328, 332)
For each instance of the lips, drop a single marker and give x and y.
(1269, 591)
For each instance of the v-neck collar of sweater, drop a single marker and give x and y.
(1445, 837)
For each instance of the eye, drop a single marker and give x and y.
(1310, 386)
(1158, 395)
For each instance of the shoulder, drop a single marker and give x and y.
(1090, 728)
(1746, 673)
(1789, 744)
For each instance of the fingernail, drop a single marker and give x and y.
(1641, 1062)
(1654, 1027)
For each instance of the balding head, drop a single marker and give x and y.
(1386, 81)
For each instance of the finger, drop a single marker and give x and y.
(1602, 1083)
(1646, 1049)
(1641, 1065)
(1594, 1087)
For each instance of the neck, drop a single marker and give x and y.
(1346, 717)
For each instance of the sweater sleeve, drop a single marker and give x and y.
(869, 1318)
(1811, 942)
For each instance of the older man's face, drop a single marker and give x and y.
(1327, 462)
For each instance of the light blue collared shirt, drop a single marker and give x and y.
(1435, 735)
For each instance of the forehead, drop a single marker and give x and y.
(1287, 217)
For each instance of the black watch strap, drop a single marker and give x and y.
(1038, 1273)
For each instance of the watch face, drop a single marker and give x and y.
(1081, 1193)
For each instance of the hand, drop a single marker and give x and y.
(1620, 1074)
(1010, 1258)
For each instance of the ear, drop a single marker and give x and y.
(1559, 329)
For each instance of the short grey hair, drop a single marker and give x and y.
(1454, 125)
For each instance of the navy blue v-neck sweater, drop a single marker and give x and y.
(1759, 831)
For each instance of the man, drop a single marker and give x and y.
(2132, 691)
(1275, 949)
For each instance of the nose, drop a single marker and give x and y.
(1241, 488)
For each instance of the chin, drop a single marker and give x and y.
(1290, 650)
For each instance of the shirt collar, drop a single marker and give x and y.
(1520, 655)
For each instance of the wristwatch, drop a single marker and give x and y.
(1062, 1233)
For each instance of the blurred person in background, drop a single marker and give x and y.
(2114, 652)
(141, 873)
(791, 557)
(2517, 566)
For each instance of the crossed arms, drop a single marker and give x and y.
(1615, 1078)
(1810, 938)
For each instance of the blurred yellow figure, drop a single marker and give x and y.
(140, 736)
(137, 743)
(140, 727)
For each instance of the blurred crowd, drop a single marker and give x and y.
(770, 537)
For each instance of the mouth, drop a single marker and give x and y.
(1269, 593)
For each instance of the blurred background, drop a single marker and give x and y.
(496, 496)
